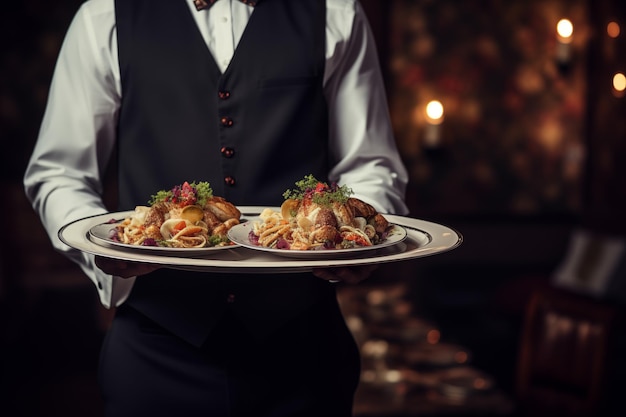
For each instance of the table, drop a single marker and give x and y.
(408, 368)
(432, 393)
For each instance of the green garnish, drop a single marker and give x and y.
(217, 240)
(185, 194)
(203, 192)
(320, 192)
(161, 195)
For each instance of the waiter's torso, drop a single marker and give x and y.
(251, 131)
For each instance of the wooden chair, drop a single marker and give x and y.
(565, 348)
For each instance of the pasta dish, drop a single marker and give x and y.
(187, 216)
(317, 216)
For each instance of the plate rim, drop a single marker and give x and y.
(153, 250)
(315, 254)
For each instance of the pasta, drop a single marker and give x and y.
(319, 216)
(187, 216)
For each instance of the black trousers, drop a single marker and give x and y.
(310, 367)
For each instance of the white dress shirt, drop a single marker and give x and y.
(63, 179)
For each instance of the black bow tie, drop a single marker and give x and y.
(205, 4)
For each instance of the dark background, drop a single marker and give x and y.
(531, 150)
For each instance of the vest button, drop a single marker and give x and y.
(227, 152)
(226, 121)
(229, 180)
(223, 95)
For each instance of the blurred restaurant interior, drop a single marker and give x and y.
(511, 119)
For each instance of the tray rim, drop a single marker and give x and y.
(424, 238)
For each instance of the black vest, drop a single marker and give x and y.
(251, 132)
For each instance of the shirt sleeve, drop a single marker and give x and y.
(63, 179)
(362, 145)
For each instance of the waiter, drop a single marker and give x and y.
(251, 96)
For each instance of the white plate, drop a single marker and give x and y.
(423, 239)
(100, 235)
(239, 234)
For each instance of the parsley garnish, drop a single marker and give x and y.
(203, 192)
(185, 194)
(320, 192)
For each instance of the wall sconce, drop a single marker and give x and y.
(564, 32)
(434, 118)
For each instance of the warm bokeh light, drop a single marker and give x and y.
(480, 383)
(393, 375)
(619, 82)
(613, 29)
(460, 357)
(565, 29)
(434, 112)
(375, 348)
(433, 336)
(375, 297)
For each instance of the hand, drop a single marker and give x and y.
(124, 269)
(350, 275)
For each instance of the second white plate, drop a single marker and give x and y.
(239, 235)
